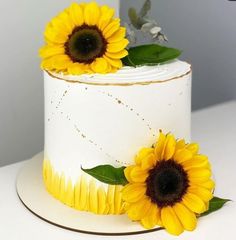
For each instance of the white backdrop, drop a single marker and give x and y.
(21, 83)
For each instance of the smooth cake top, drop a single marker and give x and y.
(132, 75)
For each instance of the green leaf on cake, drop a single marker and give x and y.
(215, 204)
(108, 174)
(151, 54)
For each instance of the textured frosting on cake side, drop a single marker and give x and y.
(105, 119)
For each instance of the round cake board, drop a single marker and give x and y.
(32, 193)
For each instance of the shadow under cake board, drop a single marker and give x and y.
(32, 193)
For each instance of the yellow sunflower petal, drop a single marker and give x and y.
(56, 37)
(209, 184)
(180, 144)
(117, 63)
(170, 221)
(59, 62)
(152, 217)
(133, 192)
(201, 192)
(91, 13)
(117, 55)
(143, 153)
(193, 148)
(198, 161)
(127, 172)
(194, 203)
(160, 145)
(138, 175)
(106, 16)
(111, 28)
(76, 14)
(169, 148)
(49, 51)
(77, 68)
(182, 155)
(199, 174)
(148, 162)
(117, 46)
(137, 211)
(186, 217)
(100, 65)
(65, 19)
(117, 36)
(61, 24)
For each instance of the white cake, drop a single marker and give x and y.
(100, 119)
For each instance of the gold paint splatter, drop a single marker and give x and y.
(92, 142)
(131, 109)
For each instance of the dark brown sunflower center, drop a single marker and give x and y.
(85, 44)
(167, 183)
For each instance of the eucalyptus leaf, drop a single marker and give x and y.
(145, 9)
(133, 17)
(151, 54)
(108, 174)
(215, 204)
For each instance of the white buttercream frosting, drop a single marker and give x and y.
(92, 124)
(127, 75)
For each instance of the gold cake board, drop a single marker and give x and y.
(32, 193)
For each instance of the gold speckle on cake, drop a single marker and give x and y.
(92, 142)
(131, 109)
(61, 98)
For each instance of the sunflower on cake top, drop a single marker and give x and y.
(169, 183)
(87, 38)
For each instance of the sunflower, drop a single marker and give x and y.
(169, 185)
(84, 38)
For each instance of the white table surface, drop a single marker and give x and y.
(214, 128)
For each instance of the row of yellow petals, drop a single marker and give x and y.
(84, 195)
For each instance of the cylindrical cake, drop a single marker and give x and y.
(100, 119)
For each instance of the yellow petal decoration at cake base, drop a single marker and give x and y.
(84, 38)
(85, 195)
(169, 185)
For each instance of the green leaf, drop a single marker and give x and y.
(108, 174)
(145, 9)
(215, 204)
(151, 54)
(133, 17)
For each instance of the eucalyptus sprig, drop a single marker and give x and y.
(141, 22)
